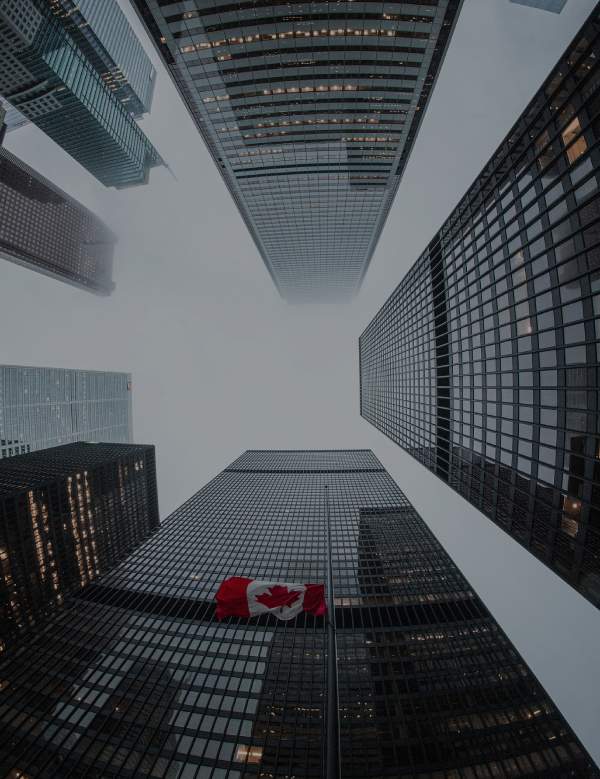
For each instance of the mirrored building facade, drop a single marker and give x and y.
(111, 47)
(68, 515)
(555, 6)
(52, 80)
(135, 677)
(44, 229)
(102, 31)
(484, 362)
(44, 407)
(310, 112)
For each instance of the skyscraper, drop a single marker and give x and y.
(484, 362)
(44, 407)
(310, 114)
(105, 36)
(110, 45)
(555, 6)
(67, 515)
(427, 682)
(52, 80)
(46, 230)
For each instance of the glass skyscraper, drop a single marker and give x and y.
(51, 79)
(555, 6)
(102, 31)
(44, 407)
(111, 47)
(68, 515)
(484, 362)
(46, 230)
(310, 113)
(135, 677)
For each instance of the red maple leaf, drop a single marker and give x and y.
(278, 595)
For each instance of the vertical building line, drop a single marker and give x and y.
(333, 726)
(442, 358)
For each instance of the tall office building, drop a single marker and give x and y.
(555, 6)
(310, 113)
(484, 362)
(44, 229)
(111, 46)
(68, 515)
(44, 407)
(138, 678)
(52, 80)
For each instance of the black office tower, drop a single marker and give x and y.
(67, 515)
(137, 677)
(484, 362)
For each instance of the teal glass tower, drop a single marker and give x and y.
(48, 77)
(102, 31)
(310, 112)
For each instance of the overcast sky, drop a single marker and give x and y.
(221, 364)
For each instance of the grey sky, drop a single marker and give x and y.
(221, 364)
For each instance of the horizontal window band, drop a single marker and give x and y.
(251, 5)
(347, 617)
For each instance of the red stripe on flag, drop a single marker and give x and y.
(314, 599)
(232, 600)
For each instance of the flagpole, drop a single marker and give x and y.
(333, 733)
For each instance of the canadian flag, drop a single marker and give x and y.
(242, 597)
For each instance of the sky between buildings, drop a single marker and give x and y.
(221, 364)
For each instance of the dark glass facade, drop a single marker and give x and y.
(310, 111)
(68, 514)
(52, 81)
(484, 362)
(45, 230)
(135, 677)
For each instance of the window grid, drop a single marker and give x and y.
(310, 114)
(513, 345)
(140, 679)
